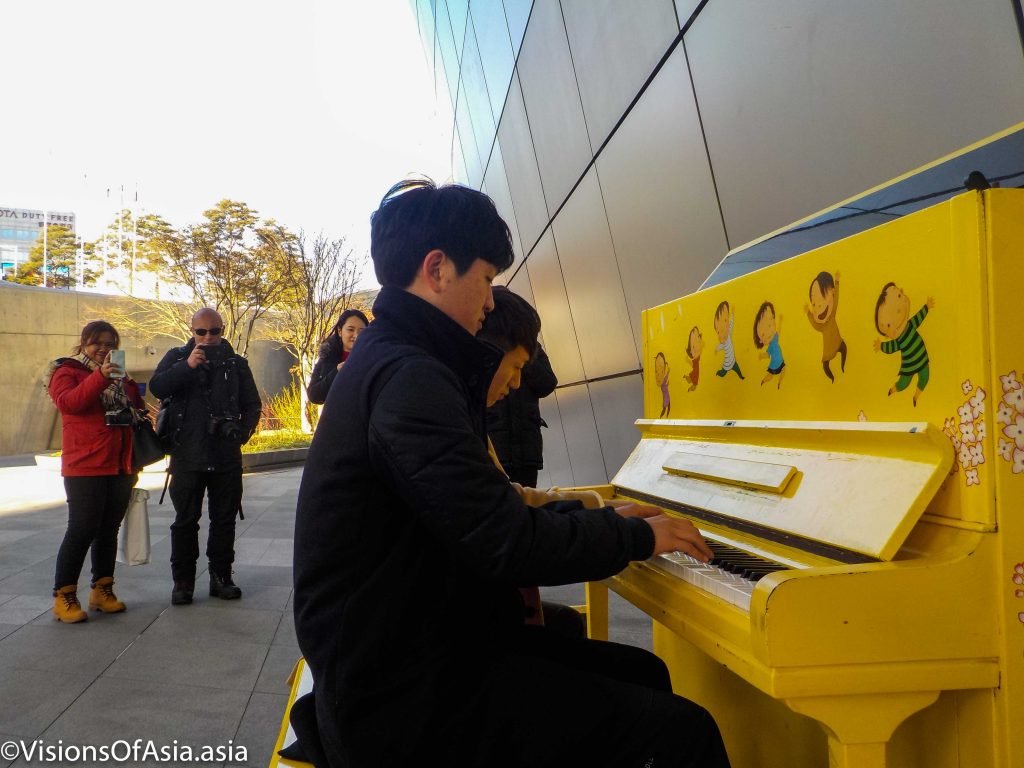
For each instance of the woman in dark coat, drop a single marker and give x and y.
(334, 352)
(98, 404)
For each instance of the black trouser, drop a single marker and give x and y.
(96, 507)
(562, 701)
(224, 492)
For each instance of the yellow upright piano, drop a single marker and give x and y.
(847, 428)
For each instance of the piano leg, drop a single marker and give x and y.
(859, 727)
(597, 610)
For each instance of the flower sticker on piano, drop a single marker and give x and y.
(1015, 397)
(966, 415)
(964, 455)
(967, 432)
(1006, 449)
(972, 477)
(977, 455)
(979, 430)
(1015, 432)
(1018, 462)
(1010, 381)
(1018, 574)
(966, 387)
(1005, 413)
(977, 402)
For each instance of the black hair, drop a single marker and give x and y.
(757, 319)
(722, 309)
(824, 281)
(689, 336)
(512, 323)
(346, 315)
(91, 333)
(416, 216)
(880, 302)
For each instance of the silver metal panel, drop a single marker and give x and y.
(521, 168)
(496, 187)
(466, 137)
(425, 25)
(446, 47)
(459, 173)
(477, 100)
(685, 9)
(458, 11)
(517, 12)
(488, 23)
(808, 102)
(553, 103)
(545, 274)
(615, 46)
(581, 438)
(617, 404)
(606, 342)
(557, 467)
(660, 197)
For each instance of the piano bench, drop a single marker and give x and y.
(301, 680)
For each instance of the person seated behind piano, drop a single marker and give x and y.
(514, 327)
(410, 544)
(334, 352)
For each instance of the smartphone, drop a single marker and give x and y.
(116, 357)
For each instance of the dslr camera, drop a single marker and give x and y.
(227, 427)
(118, 418)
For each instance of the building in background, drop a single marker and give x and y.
(632, 145)
(20, 228)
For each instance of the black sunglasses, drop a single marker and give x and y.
(203, 331)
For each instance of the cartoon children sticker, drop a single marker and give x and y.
(723, 327)
(661, 376)
(694, 346)
(766, 337)
(823, 298)
(893, 321)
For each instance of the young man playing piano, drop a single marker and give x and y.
(410, 543)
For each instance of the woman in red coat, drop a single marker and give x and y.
(97, 403)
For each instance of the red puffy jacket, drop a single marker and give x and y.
(88, 446)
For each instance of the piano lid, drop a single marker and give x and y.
(849, 490)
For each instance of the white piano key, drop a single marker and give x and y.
(730, 587)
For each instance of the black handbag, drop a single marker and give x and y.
(146, 447)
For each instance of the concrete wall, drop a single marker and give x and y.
(38, 325)
(631, 145)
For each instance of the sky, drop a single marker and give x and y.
(308, 111)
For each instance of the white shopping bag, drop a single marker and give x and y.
(133, 541)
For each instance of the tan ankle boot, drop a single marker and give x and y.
(102, 597)
(66, 607)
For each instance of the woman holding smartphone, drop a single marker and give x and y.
(97, 403)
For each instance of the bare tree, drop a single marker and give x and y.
(236, 264)
(323, 285)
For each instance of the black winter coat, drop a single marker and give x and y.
(326, 369)
(410, 544)
(224, 389)
(514, 422)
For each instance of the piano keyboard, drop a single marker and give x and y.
(731, 575)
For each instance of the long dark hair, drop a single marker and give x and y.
(346, 315)
(91, 332)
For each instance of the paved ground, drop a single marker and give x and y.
(210, 674)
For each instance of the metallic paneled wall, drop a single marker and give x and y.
(631, 145)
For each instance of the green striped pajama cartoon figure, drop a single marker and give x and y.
(893, 321)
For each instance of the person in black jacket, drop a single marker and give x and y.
(514, 422)
(213, 408)
(410, 543)
(334, 352)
